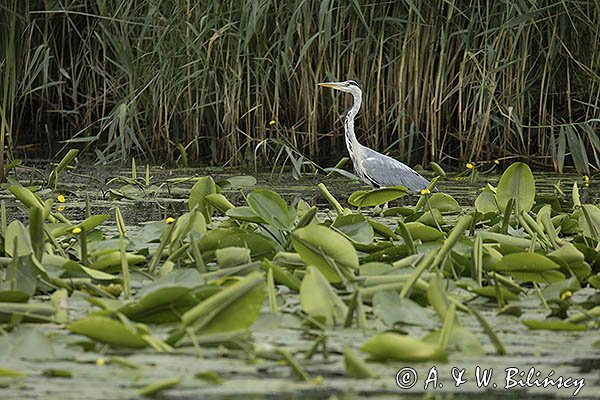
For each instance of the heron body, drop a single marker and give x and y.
(372, 167)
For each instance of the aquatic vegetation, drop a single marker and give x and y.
(210, 276)
(206, 82)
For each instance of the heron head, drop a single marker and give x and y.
(345, 86)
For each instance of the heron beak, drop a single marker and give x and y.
(333, 85)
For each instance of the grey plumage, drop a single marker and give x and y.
(372, 167)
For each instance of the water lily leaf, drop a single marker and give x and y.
(589, 221)
(74, 269)
(281, 275)
(396, 347)
(246, 214)
(235, 307)
(432, 218)
(594, 281)
(444, 202)
(26, 196)
(260, 246)
(553, 325)
(319, 300)
(26, 342)
(13, 296)
(392, 309)
(11, 373)
(160, 305)
(491, 292)
(555, 290)
(327, 250)
(160, 386)
(190, 225)
(571, 260)
(383, 230)
(218, 201)
(424, 233)
(486, 201)
(356, 227)
(271, 207)
(113, 260)
(375, 268)
(90, 223)
(516, 183)
(461, 339)
(232, 256)
(530, 267)
(377, 197)
(150, 232)
(17, 233)
(203, 187)
(107, 330)
(355, 366)
(237, 182)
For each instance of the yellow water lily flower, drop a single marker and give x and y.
(76, 231)
(272, 122)
(425, 191)
(100, 362)
(497, 162)
(60, 198)
(170, 220)
(470, 165)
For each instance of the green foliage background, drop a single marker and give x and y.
(444, 80)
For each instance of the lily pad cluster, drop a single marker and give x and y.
(204, 278)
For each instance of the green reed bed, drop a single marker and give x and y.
(201, 81)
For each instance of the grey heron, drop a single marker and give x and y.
(372, 167)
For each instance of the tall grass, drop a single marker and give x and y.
(448, 81)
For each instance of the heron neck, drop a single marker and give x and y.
(351, 141)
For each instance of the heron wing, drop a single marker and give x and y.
(384, 171)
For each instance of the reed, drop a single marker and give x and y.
(450, 81)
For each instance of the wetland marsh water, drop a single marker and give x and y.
(253, 374)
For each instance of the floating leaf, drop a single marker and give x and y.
(244, 213)
(107, 330)
(422, 232)
(395, 347)
(356, 227)
(271, 207)
(530, 267)
(319, 300)
(327, 250)
(203, 187)
(377, 197)
(444, 202)
(160, 386)
(355, 366)
(393, 309)
(486, 201)
(553, 325)
(516, 183)
(235, 307)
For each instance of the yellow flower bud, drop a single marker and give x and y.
(425, 191)
(567, 294)
(170, 220)
(100, 362)
(497, 162)
(586, 179)
(76, 231)
(272, 122)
